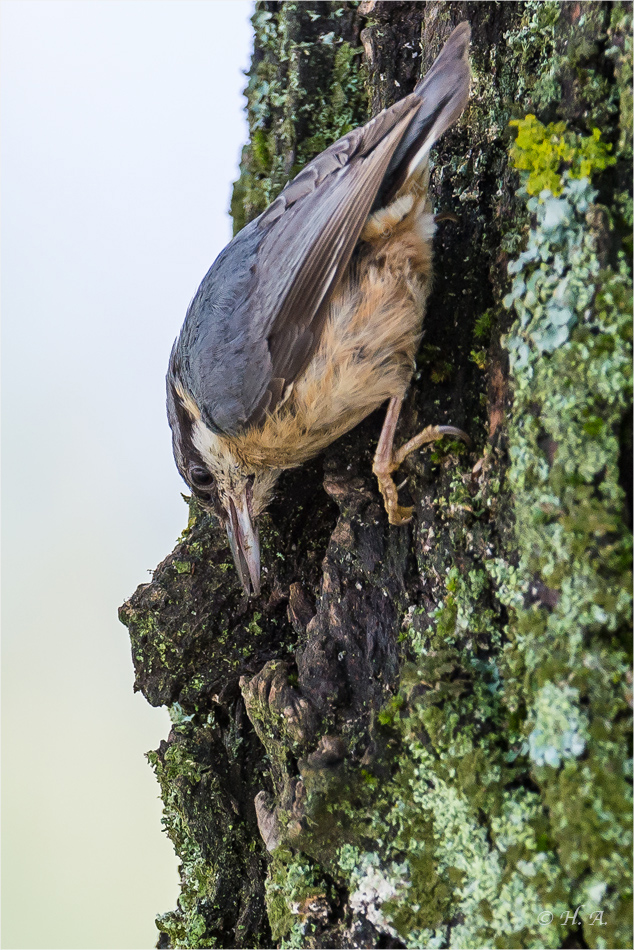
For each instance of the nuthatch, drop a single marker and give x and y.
(311, 317)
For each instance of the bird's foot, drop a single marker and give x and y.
(387, 460)
(397, 514)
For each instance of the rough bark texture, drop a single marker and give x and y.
(428, 726)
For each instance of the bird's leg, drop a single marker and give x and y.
(383, 465)
(386, 460)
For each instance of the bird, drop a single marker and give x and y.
(311, 317)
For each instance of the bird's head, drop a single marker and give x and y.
(223, 483)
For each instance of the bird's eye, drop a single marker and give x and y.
(200, 476)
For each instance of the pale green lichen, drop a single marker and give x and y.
(532, 44)
(559, 728)
(565, 662)
(371, 886)
(178, 716)
(437, 858)
(293, 881)
(554, 278)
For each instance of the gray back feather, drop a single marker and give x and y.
(258, 315)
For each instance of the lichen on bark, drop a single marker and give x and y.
(419, 736)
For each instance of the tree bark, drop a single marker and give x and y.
(416, 736)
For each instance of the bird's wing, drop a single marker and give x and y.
(308, 235)
(443, 93)
(258, 315)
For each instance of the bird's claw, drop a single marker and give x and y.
(446, 216)
(402, 515)
(384, 467)
(397, 514)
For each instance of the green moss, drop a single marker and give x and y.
(338, 110)
(484, 325)
(185, 926)
(182, 567)
(254, 627)
(479, 357)
(212, 841)
(533, 47)
(302, 95)
(294, 882)
(437, 859)
(545, 150)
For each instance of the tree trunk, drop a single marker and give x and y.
(417, 736)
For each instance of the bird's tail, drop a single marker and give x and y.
(443, 93)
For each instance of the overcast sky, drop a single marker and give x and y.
(122, 124)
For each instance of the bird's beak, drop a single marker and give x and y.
(245, 543)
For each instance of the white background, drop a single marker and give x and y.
(122, 124)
